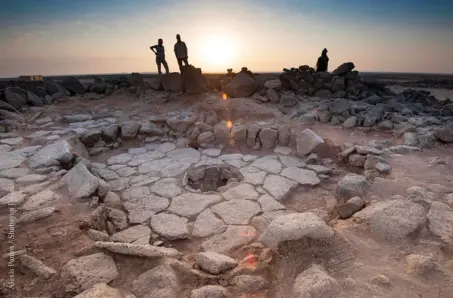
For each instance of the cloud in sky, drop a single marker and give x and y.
(70, 37)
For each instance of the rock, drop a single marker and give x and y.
(419, 265)
(206, 138)
(110, 133)
(170, 226)
(136, 79)
(304, 177)
(273, 95)
(250, 283)
(402, 128)
(440, 221)
(34, 100)
(137, 250)
(39, 200)
(210, 292)
(315, 283)
(7, 107)
(351, 185)
(241, 192)
(189, 155)
(73, 85)
(236, 212)
(357, 160)
(159, 282)
(295, 226)
(372, 160)
(167, 187)
(100, 290)
(14, 198)
(343, 69)
(222, 132)
(117, 217)
(232, 238)
(403, 149)
(259, 97)
(119, 159)
(206, 224)
(367, 150)
(182, 122)
(54, 154)
(444, 133)
(268, 138)
(383, 168)
(288, 100)
(351, 206)
(15, 97)
(253, 175)
(6, 186)
(373, 116)
(98, 86)
(214, 263)
(131, 234)
(307, 141)
(273, 84)
(60, 97)
(350, 122)
(386, 125)
(268, 165)
(323, 93)
(173, 82)
(81, 183)
(242, 85)
(156, 83)
(283, 150)
(150, 129)
(268, 203)
(141, 205)
(129, 130)
(36, 215)
(279, 187)
(96, 235)
(53, 87)
(392, 220)
(82, 273)
(36, 266)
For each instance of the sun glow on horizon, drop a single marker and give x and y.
(218, 50)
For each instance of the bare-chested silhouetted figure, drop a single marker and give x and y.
(181, 53)
(323, 62)
(159, 50)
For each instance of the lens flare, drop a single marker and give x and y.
(250, 261)
(229, 124)
(224, 96)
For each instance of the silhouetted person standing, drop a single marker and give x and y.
(159, 50)
(323, 62)
(181, 52)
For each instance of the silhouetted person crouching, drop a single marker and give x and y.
(181, 53)
(159, 50)
(323, 62)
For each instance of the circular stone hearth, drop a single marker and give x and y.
(210, 178)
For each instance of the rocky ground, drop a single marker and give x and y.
(280, 188)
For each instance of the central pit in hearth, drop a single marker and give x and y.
(210, 178)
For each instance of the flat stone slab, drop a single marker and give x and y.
(319, 169)
(51, 155)
(119, 184)
(126, 171)
(241, 192)
(212, 152)
(175, 169)
(145, 157)
(31, 178)
(138, 250)
(170, 226)
(253, 175)
(214, 263)
(6, 186)
(268, 164)
(191, 204)
(161, 281)
(106, 174)
(141, 204)
(238, 163)
(232, 238)
(13, 199)
(206, 224)
(39, 200)
(236, 212)
(165, 147)
(12, 141)
(187, 155)
(11, 160)
(131, 234)
(295, 226)
(279, 187)
(14, 173)
(39, 134)
(208, 161)
(155, 166)
(283, 150)
(123, 158)
(167, 187)
(304, 177)
(143, 180)
(234, 156)
(268, 203)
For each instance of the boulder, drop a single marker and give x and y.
(34, 100)
(315, 283)
(129, 130)
(7, 107)
(348, 209)
(288, 100)
(194, 82)
(173, 82)
(343, 69)
(440, 219)
(242, 85)
(222, 132)
(81, 183)
(392, 220)
(250, 283)
(273, 84)
(73, 85)
(159, 282)
(268, 138)
(98, 86)
(351, 185)
(150, 129)
(84, 272)
(323, 93)
(273, 96)
(54, 154)
(15, 96)
(53, 87)
(182, 122)
(339, 106)
(445, 133)
(373, 116)
(136, 79)
(295, 226)
(307, 141)
(156, 83)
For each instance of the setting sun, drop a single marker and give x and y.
(218, 50)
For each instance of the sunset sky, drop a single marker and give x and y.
(51, 37)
